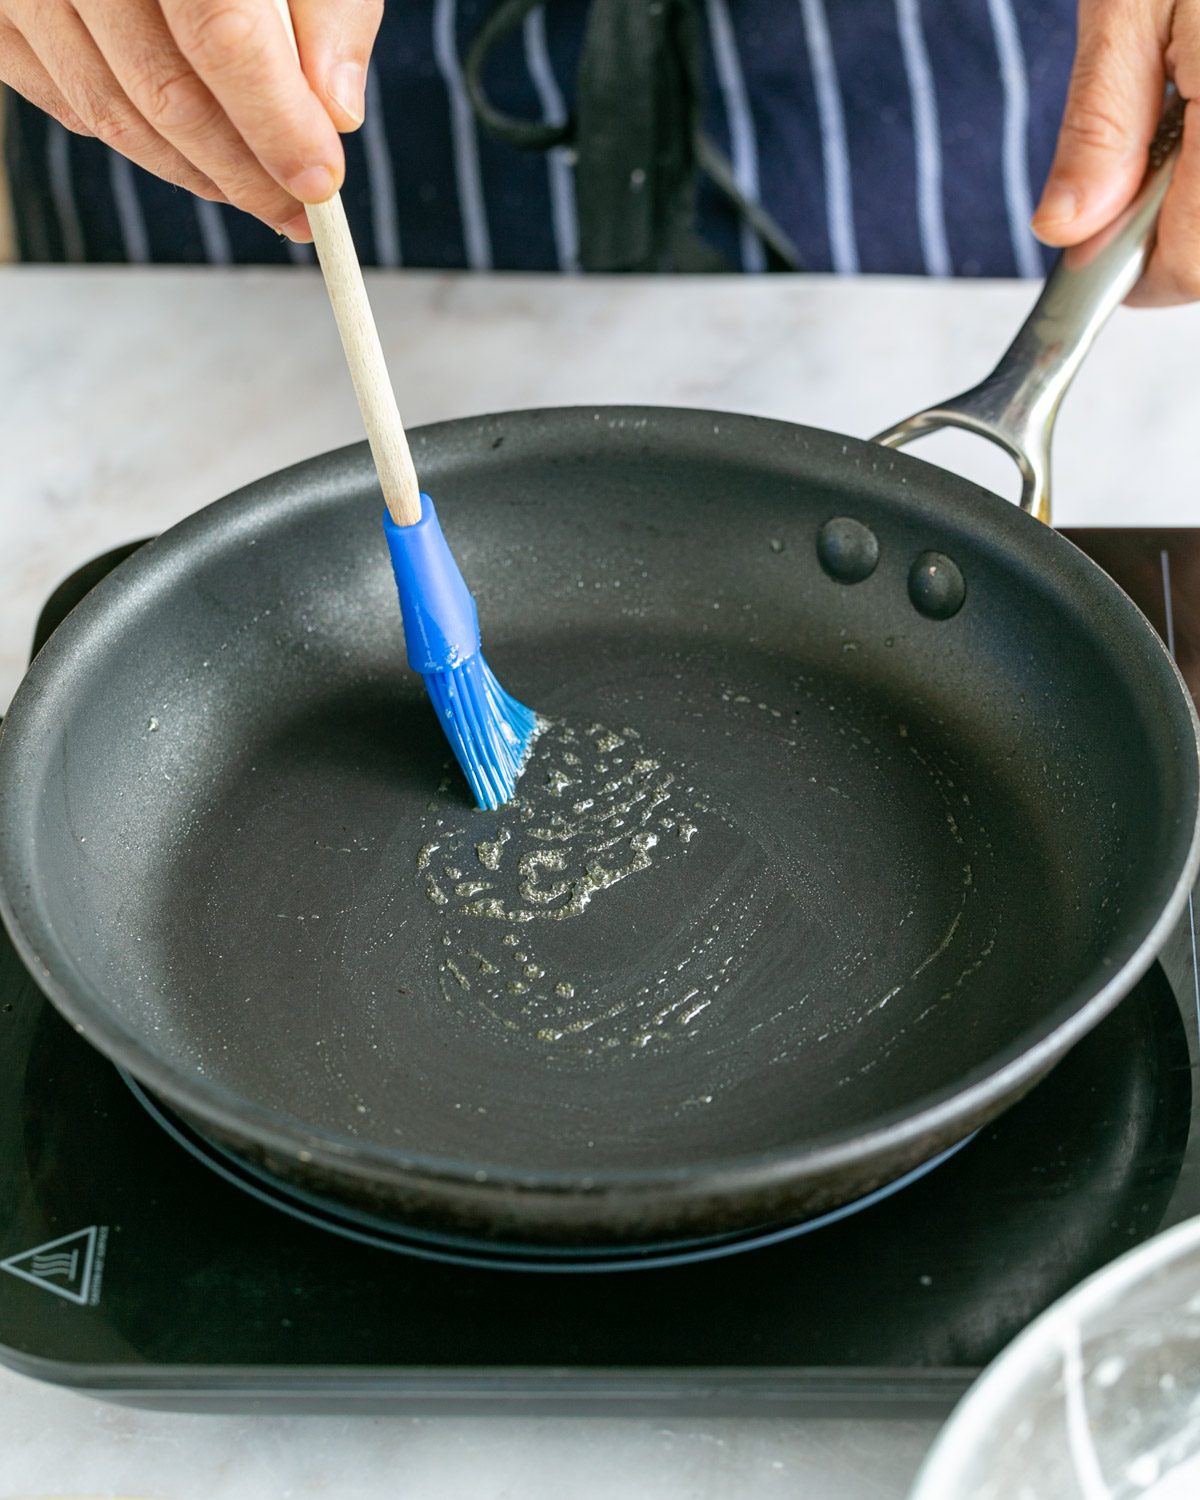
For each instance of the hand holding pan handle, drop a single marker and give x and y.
(1016, 405)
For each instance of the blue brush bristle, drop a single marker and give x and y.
(490, 733)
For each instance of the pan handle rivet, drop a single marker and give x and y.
(847, 550)
(936, 586)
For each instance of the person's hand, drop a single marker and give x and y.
(1126, 52)
(205, 93)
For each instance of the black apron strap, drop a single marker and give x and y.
(636, 134)
(526, 135)
(637, 113)
(782, 254)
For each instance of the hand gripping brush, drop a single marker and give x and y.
(490, 732)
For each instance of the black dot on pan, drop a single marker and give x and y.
(936, 586)
(847, 550)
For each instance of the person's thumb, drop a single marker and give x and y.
(335, 38)
(1113, 107)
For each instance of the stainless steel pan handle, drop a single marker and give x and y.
(1016, 405)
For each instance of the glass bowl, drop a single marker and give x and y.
(1098, 1399)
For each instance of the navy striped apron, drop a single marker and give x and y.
(903, 136)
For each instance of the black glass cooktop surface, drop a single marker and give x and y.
(137, 1264)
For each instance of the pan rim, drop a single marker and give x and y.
(747, 1176)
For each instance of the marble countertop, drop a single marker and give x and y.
(128, 399)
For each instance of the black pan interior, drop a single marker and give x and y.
(791, 860)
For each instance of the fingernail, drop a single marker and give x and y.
(312, 185)
(297, 228)
(1059, 205)
(347, 88)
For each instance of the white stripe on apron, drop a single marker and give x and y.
(742, 141)
(931, 218)
(213, 234)
(1016, 130)
(835, 151)
(559, 163)
(476, 238)
(62, 190)
(129, 210)
(384, 219)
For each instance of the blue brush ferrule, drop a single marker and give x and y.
(441, 626)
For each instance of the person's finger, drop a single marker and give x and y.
(61, 43)
(1113, 105)
(241, 51)
(20, 69)
(135, 42)
(335, 38)
(1173, 274)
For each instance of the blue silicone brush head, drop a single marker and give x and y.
(490, 733)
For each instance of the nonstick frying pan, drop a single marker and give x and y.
(863, 796)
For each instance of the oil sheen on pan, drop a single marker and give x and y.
(595, 808)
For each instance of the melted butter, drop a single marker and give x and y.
(490, 852)
(594, 809)
(601, 840)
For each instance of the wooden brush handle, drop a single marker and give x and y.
(364, 354)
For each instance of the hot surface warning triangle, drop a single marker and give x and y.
(63, 1266)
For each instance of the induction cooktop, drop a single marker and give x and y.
(140, 1263)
